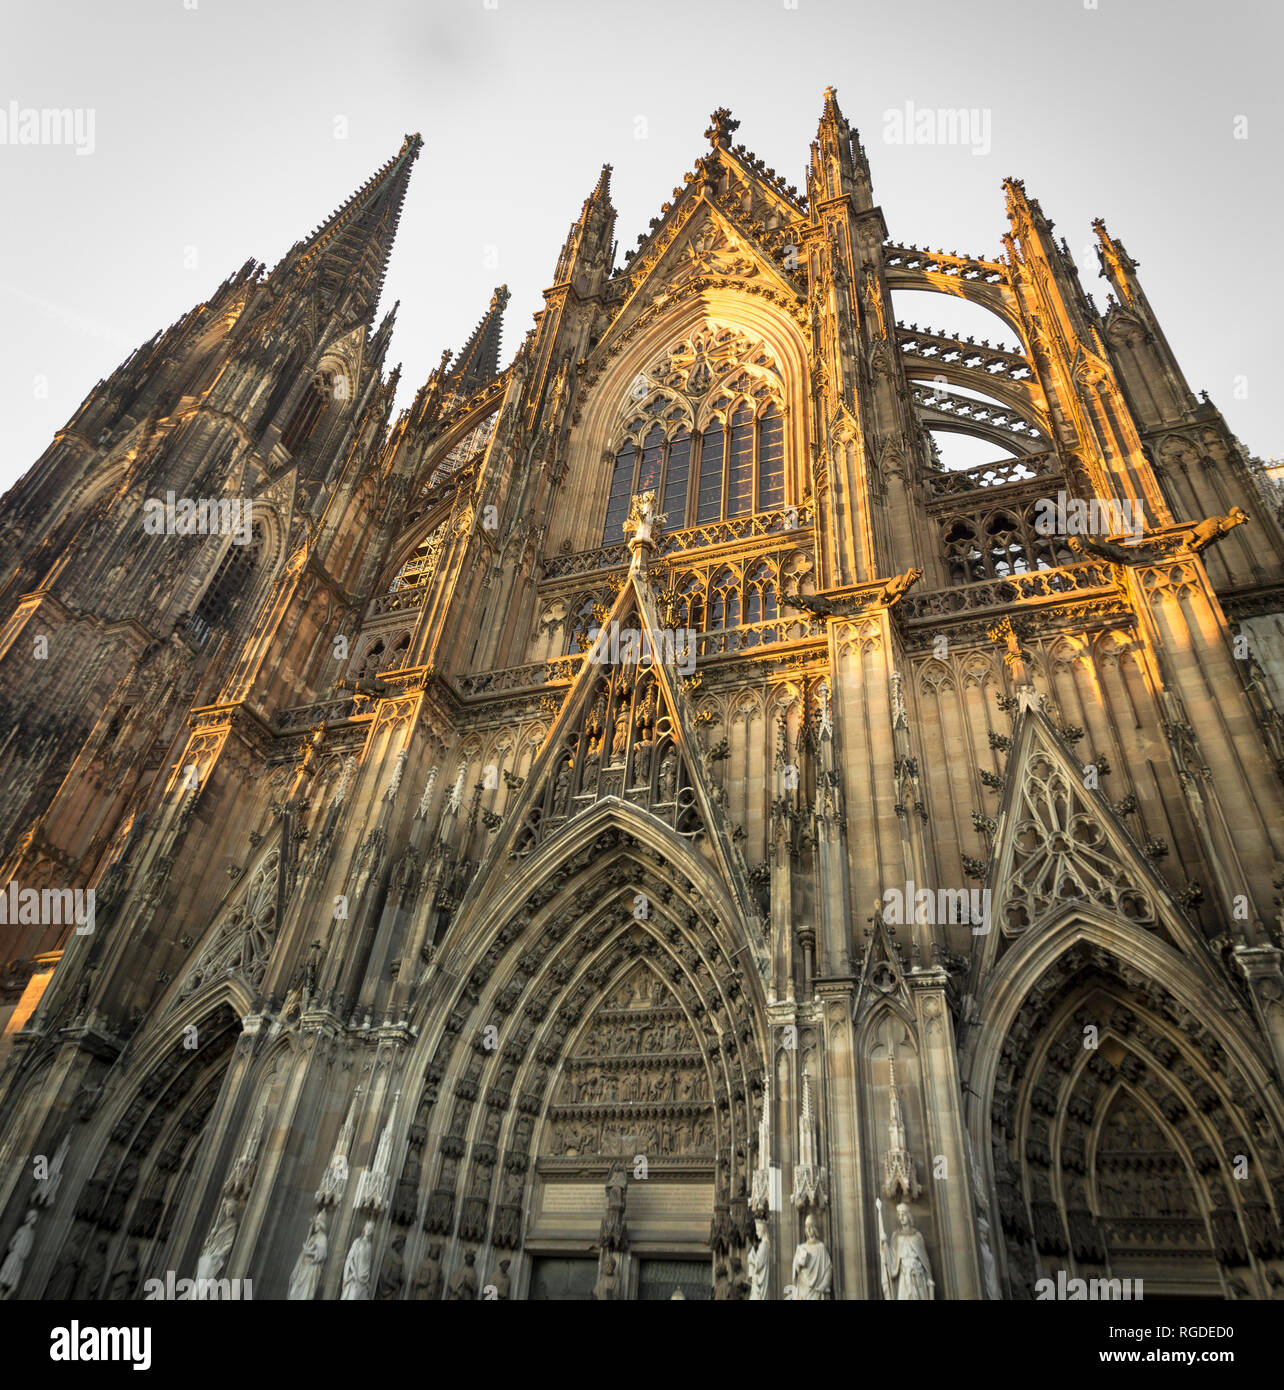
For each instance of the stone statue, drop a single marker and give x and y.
(612, 1235)
(358, 1267)
(95, 1267)
(428, 1276)
(311, 1262)
(20, 1244)
(760, 1264)
(501, 1282)
(813, 1270)
(721, 1283)
(392, 1277)
(217, 1247)
(906, 1272)
(463, 1284)
(607, 1288)
(668, 776)
(62, 1282)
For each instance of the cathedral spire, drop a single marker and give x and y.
(347, 255)
(588, 252)
(478, 362)
(838, 162)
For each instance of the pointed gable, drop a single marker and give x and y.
(1060, 844)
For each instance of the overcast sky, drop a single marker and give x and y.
(227, 129)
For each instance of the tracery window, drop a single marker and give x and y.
(729, 597)
(733, 467)
(422, 565)
(997, 544)
(760, 594)
(724, 600)
(231, 579)
(311, 406)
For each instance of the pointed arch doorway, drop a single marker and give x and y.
(634, 1102)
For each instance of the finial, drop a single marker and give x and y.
(721, 127)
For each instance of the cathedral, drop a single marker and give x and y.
(635, 823)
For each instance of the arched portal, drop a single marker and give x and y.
(1129, 1139)
(603, 1014)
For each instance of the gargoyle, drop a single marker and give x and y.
(1160, 545)
(812, 603)
(895, 589)
(363, 685)
(845, 605)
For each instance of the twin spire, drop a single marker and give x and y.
(346, 258)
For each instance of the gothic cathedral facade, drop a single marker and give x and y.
(634, 824)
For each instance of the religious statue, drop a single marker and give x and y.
(428, 1276)
(612, 1235)
(562, 788)
(906, 1273)
(311, 1262)
(217, 1247)
(501, 1282)
(357, 1268)
(813, 1270)
(668, 776)
(95, 1267)
(20, 1244)
(607, 1288)
(463, 1283)
(62, 1282)
(392, 1277)
(760, 1264)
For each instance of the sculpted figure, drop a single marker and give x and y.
(95, 1267)
(813, 1271)
(501, 1282)
(20, 1244)
(463, 1285)
(607, 1288)
(62, 1282)
(392, 1277)
(760, 1264)
(218, 1246)
(907, 1274)
(311, 1262)
(357, 1271)
(428, 1275)
(668, 776)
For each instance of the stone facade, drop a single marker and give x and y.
(634, 824)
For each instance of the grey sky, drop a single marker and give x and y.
(214, 140)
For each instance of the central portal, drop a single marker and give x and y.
(634, 1100)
